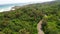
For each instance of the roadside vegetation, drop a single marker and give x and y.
(25, 19)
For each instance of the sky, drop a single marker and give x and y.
(22, 1)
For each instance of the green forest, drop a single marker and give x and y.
(24, 20)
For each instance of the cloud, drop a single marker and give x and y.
(21, 1)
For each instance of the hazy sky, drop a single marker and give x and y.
(21, 1)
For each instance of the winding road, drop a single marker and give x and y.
(39, 27)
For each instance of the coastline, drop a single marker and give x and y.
(11, 7)
(6, 9)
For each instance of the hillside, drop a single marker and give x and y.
(25, 19)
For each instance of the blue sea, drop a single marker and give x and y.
(7, 7)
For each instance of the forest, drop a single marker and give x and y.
(24, 20)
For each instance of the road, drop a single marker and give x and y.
(39, 27)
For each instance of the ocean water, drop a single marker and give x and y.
(7, 7)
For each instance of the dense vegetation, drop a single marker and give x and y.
(24, 20)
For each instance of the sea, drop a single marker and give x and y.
(7, 7)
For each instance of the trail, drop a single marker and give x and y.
(39, 27)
